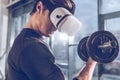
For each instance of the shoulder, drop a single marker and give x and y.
(37, 49)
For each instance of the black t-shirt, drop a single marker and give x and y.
(30, 58)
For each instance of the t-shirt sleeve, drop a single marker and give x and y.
(36, 63)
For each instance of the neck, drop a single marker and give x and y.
(31, 23)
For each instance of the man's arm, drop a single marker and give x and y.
(37, 63)
(87, 71)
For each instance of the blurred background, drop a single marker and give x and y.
(94, 14)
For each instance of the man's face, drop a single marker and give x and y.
(44, 24)
(49, 28)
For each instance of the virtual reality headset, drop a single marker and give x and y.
(62, 17)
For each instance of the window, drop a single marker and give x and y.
(108, 6)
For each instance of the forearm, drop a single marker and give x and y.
(87, 71)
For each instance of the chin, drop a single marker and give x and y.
(48, 35)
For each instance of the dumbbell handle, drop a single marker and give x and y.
(109, 44)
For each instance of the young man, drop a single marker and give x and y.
(30, 58)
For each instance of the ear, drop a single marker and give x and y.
(39, 7)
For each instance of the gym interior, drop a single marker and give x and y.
(94, 15)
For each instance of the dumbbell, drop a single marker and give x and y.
(101, 46)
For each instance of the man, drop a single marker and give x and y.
(30, 58)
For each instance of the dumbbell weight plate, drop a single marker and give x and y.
(82, 52)
(105, 54)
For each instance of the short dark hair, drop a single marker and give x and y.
(68, 4)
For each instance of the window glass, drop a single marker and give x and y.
(113, 25)
(112, 70)
(86, 12)
(108, 6)
(15, 28)
(17, 25)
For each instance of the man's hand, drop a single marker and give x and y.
(87, 71)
